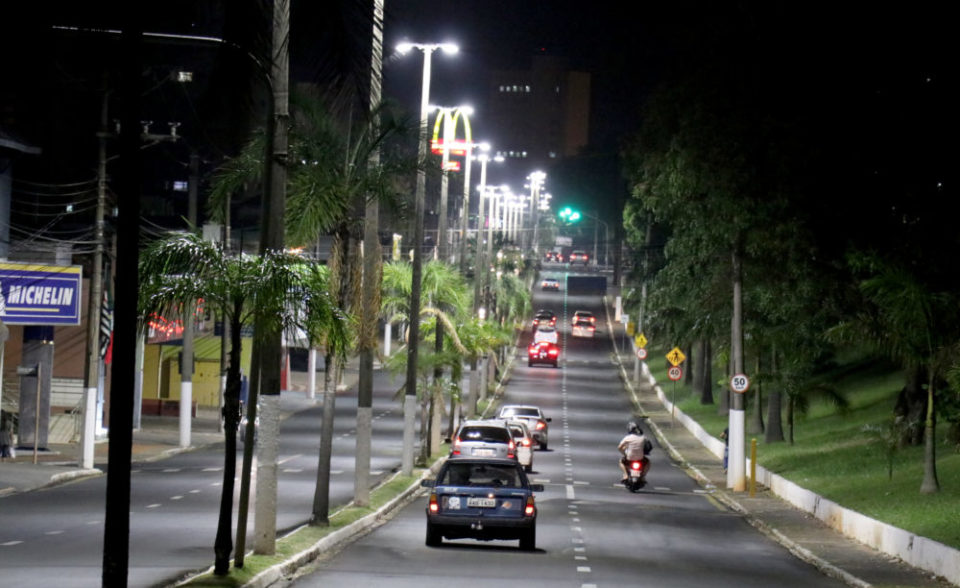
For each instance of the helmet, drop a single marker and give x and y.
(633, 428)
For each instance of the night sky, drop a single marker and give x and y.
(832, 58)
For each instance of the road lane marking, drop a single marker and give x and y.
(171, 470)
(286, 459)
(9, 543)
(58, 532)
(292, 470)
(153, 506)
(211, 469)
(583, 569)
(578, 540)
(580, 558)
(176, 497)
(580, 549)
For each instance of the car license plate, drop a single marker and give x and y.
(481, 452)
(482, 502)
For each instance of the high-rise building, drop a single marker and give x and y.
(539, 115)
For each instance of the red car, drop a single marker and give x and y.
(543, 352)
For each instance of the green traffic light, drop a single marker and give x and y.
(565, 212)
(574, 216)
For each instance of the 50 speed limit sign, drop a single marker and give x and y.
(739, 383)
(675, 373)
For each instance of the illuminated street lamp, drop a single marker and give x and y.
(410, 398)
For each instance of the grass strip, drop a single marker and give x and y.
(840, 455)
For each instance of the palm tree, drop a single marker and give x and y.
(914, 325)
(181, 269)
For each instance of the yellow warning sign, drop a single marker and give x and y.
(676, 357)
(640, 340)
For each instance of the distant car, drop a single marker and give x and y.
(579, 257)
(550, 256)
(547, 334)
(545, 318)
(523, 439)
(482, 499)
(489, 438)
(583, 315)
(550, 284)
(536, 421)
(543, 352)
(583, 328)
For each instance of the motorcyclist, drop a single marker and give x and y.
(634, 447)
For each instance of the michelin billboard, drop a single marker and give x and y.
(32, 294)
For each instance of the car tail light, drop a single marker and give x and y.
(593, 320)
(530, 509)
(635, 465)
(456, 446)
(541, 425)
(511, 448)
(592, 328)
(526, 442)
(554, 352)
(434, 506)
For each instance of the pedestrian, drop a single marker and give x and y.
(6, 440)
(725, 435)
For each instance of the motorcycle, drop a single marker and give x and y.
(636, 473)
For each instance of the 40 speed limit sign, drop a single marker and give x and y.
(641, 353)
(675, 373)
(739, 383)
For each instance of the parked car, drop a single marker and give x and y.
(482, 499)
(536, 421)
(543, 352)
(550, 284)
(523, 439)
(579, 257)
(583, 315)
(489, 438)
(544, 317)
(583, 328)
(547, 334)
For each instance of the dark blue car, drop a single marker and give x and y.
(482, 499)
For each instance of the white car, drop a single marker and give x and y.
(583, 328)
(536, 421)
(547, 334)
(524, 442)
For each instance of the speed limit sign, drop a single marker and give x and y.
(641, 353)
(739, 383)
(675, 373)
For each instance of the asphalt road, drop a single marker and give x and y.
(591, 531)
(55, 536)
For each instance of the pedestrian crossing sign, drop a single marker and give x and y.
(676, 357)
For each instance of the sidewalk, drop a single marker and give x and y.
(158, 438)
(802, 534)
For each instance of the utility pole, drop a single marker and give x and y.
(736, 466)
(186, 355)
(95, 300)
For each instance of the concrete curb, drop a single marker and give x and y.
(341, 537)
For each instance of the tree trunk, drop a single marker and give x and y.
(774, 432)
(223, 543)
(756, 418)
(321, 493)
(790, 403)
(696, 367)
(911, 407)
(930, 483)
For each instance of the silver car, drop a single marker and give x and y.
(533, 416)
(489, 438)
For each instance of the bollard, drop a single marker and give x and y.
(753, 467)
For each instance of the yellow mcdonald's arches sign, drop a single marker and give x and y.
(447, 119)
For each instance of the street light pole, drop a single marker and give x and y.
(410, 397)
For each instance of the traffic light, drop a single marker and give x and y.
(569, 215)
